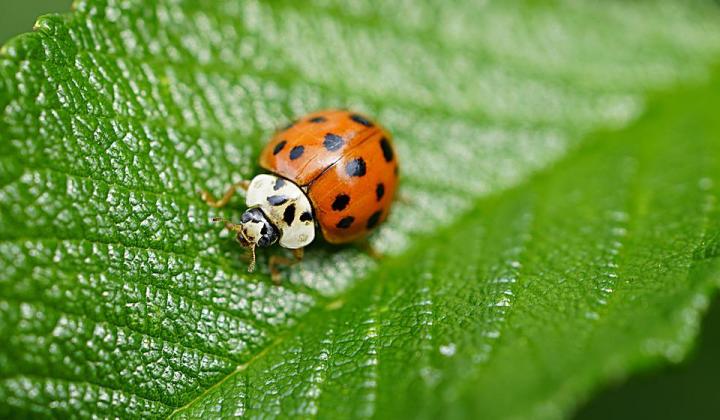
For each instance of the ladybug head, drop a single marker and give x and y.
(254, 230)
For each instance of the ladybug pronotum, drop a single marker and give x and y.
(332, 170)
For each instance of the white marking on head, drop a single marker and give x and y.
(252, 231)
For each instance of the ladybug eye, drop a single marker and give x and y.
(269, 235)
(258, 229)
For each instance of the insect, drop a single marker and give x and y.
(334, 171)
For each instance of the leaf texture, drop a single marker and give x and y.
(532, 261)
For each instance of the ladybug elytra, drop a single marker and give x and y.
(334, 170)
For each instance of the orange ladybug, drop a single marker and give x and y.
(334, 170)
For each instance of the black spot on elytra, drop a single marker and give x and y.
(277, 200)
(306, 216)
(289, 214)
(296, 152)
(356, 167)
(333, 142)
(374, 219)
(361, 120)
(317, 119)
(386, 149)
(279, 147)
(345, 222)
(379, 191)
(341, 201)
(279, 183)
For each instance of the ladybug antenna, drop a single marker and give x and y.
(241, 238)
(251, 266)
(228, 224)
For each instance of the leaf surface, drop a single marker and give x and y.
(531, 262)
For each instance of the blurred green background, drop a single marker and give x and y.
(690, 390)
(17, 16)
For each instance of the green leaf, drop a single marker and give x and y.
(532, 262)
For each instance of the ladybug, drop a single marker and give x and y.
(334, 171)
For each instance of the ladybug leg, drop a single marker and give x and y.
(277, 260)
(212, 202)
